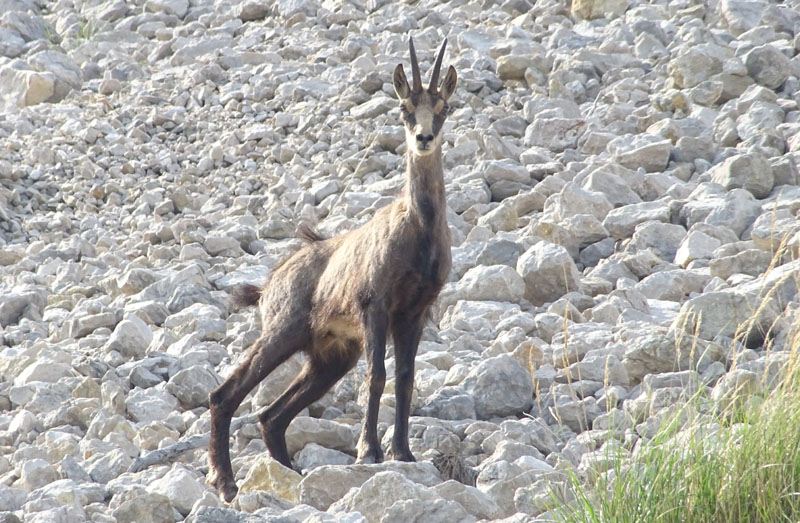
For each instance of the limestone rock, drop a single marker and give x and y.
(549, 272)
(749, 171)
(500, 387)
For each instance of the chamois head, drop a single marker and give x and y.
(424, 110)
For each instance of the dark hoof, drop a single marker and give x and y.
(374, 455)
(227, 487)
(402, 455)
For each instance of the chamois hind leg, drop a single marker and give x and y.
(310, 385)
(406, 332)
(369, 448)
(266, 354)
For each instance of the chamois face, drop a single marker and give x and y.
(423, 111)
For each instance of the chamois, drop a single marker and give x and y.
(336, 297)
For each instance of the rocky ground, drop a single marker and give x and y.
(623, 196)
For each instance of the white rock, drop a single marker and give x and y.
(67, 74)
(695, 246)
(313, 456)
(767, 65)
(171, 7)
(181, 486)
(648, 152)
(153, 404)
(44, 370)
(131, 337)
(390, 496)
(500, 387)
(193, 385)
(749, 171)
(549, 272)
(303, 430)
(622, 222)
(554, 133)
(36, 473)
(327, 484)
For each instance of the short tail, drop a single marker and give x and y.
(305, 232)
(246, 295)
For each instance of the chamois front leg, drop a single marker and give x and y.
(369, 448)
(406, 332)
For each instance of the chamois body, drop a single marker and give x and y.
(335, 298)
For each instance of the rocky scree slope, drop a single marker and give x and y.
(622, 192)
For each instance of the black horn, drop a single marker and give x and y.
(434, 86)
(417, 79)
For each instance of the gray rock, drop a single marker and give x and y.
(727, 313)
(549, 272)
(327, 484)
(18, 302)
(146, 507)
(591, 9)
(390, 496)
(648, 152)
(68, 75)
(44, 370)
(500, 387)
(28, 25)
(182, 486)
(663, 238)
(289, 8)
(659, 353)
(473, 500)
(612, 186)
(131, 337)
(505, 170)
(767, 65)
(200, 319)
(170, 7)
(11, 43)
(621, 222)
(22, 87)
(105, 467)
(749, 171)
(554, 133)
(771, 230)
(573, 200)
(252, 11)
(696, 245)
(494, 283)
(193, 385)
(734, 388)
(313, 456)
(695, 64)
(512, 67)
(450, 403)
(373, 107)
(153, 404)
(303, 430)
(672, 285)
(752, 262)
(36, 473)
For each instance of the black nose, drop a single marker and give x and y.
(424, 138)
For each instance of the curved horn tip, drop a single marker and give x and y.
(437, 66)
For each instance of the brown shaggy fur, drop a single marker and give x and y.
(337, 297)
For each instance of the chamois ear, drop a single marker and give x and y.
(400, 82)
(449, 83)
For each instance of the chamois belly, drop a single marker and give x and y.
(340, 337)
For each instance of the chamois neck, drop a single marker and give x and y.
(424, 191)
